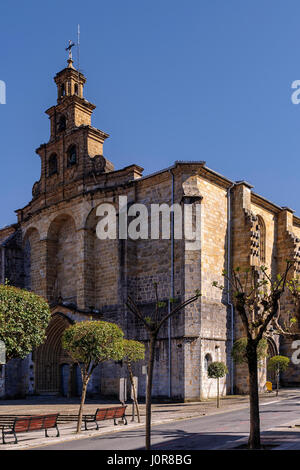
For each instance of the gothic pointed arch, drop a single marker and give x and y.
(50, 356)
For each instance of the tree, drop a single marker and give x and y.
(153, 323)
(217, 370)
(278, 364)
(24, 317)
(89, 343)
(239, 350)
(256, 298)
(133, 351)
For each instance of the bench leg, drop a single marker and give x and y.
(86, 428)
(57, 432)
(9, 432)
(123, 419)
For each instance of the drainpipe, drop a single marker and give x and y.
(171, 288)
(229, 274)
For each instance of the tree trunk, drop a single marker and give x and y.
(134, 392)
(149, 389)
(218, 394)
(254, 437)
(83, 394)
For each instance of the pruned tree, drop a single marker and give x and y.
(217, 370)
(152, 323)
(24, 317)
(278, 364)
(239, 350)
(133, 351)
(256, 298)
(89, 343)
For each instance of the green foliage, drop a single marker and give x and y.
(24, 317)
(238, 352)
(161, 304)
(94, 342)
(133, 350)
(216, 370)
(278, 363)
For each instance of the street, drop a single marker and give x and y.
(204, 433)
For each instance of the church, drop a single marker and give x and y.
(53, 250)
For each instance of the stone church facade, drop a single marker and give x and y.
(53, 249)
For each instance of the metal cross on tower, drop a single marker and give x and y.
(69, 48)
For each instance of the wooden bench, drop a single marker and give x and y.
(16, 424)
(101, 414)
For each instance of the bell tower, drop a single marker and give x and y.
(72, 110)
(75, 148)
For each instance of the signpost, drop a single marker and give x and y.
(123, 390)
(135, 381)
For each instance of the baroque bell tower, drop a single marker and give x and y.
(74, 152)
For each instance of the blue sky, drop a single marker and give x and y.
(195, 80)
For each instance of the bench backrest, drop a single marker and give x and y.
(21, 424)
(120, 412)
(34, 423)
(110, 413)
(50, 421)
(100, 414)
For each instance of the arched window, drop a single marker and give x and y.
(207, 361)
(76, 89)
(261, 230)
(72, 155)
(52, 169)
(62, 123)
(62, 90)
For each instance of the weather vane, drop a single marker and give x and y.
(69, 48)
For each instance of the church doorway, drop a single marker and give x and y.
(53, 365)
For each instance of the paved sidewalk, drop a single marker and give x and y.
(161, 413)
(285, 437)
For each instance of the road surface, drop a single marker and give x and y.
(203, 433)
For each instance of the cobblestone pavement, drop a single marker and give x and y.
(161, 413)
